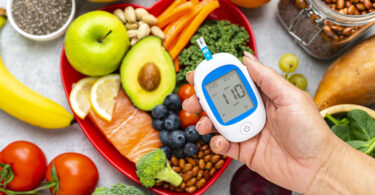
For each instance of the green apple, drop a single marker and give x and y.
(95, 43)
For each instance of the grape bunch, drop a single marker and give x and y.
(288, 63)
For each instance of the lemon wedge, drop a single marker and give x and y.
(103, 95)
(80, 96)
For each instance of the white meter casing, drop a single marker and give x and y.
(229, 96)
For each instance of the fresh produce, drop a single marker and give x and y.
(196, 170)
(139, 23)
(128, 122)
(23, 103)
(288, 63)
(220, 36)
(246, 181)
(118, 189)
(22, 166)
(188, 119)
(80, 96)
(148, 77)
(153, 167)
(183, 9)
(350, 79)
(3, 17)
(250, 3)
(356, 128)
(95, 43)
(189, 31)
(103, 95)
(185, 92)
(72, 173)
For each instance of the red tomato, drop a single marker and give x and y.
(188, 119)
(203, 114)
(185, 91)
(28, 164)
(77, 174)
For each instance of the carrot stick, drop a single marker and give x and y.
(189, 31)
(173, 30)
(177, 64)
(171, 8)
(195, 1)
(177, 12)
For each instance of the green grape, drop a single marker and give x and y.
(298, 80)
(288, 63)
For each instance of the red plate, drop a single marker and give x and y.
(227, 11)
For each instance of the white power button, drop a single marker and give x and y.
(246, 128)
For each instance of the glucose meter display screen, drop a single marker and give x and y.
(229, 96)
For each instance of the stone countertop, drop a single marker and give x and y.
(37, 65)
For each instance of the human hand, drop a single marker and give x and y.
(295, 142)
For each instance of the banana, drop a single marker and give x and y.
(25, 104)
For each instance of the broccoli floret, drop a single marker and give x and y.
(154, 167)
(118, 189)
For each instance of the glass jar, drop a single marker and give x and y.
(325, 28)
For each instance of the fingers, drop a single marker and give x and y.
(222, 146)
(190, 77)
(204, 126)
(270, 82)
(192, 105)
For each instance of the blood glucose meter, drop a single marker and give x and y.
(229, 96)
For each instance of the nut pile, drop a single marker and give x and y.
(196, 170)
(347, 7)
(139, 23)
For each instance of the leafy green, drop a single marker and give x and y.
(118, 189)
(357, 129)
(342, 131)
(153, 167)
(220, 36)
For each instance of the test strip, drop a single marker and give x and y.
(204, 48)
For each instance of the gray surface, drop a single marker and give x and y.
(37, 65)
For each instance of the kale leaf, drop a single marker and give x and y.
(220, 36)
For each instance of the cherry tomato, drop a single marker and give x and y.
(186, 91)
(188, 119)
(203, 114)
(28, 164)
(77, 174)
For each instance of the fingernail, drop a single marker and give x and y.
(250, 55)
(218, 142)
(184, 104)
(188, 75)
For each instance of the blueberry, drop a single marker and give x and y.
(167, 150)
(191, 133)
(176, 139)
(179, 153)
(157, 124)
(207, 138)
(159, 111)
(172, 122)
(190, 149)
(164, 137)
(170, 112)
(173, 102)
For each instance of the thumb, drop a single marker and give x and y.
(272, 84)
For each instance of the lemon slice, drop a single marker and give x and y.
(80, 96)
(103, 95)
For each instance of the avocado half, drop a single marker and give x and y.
(148, 62)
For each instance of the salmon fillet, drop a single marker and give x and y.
(130, 130)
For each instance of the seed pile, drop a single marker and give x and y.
(196, 170)
(41, 17)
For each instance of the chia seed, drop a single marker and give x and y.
(41, 17)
